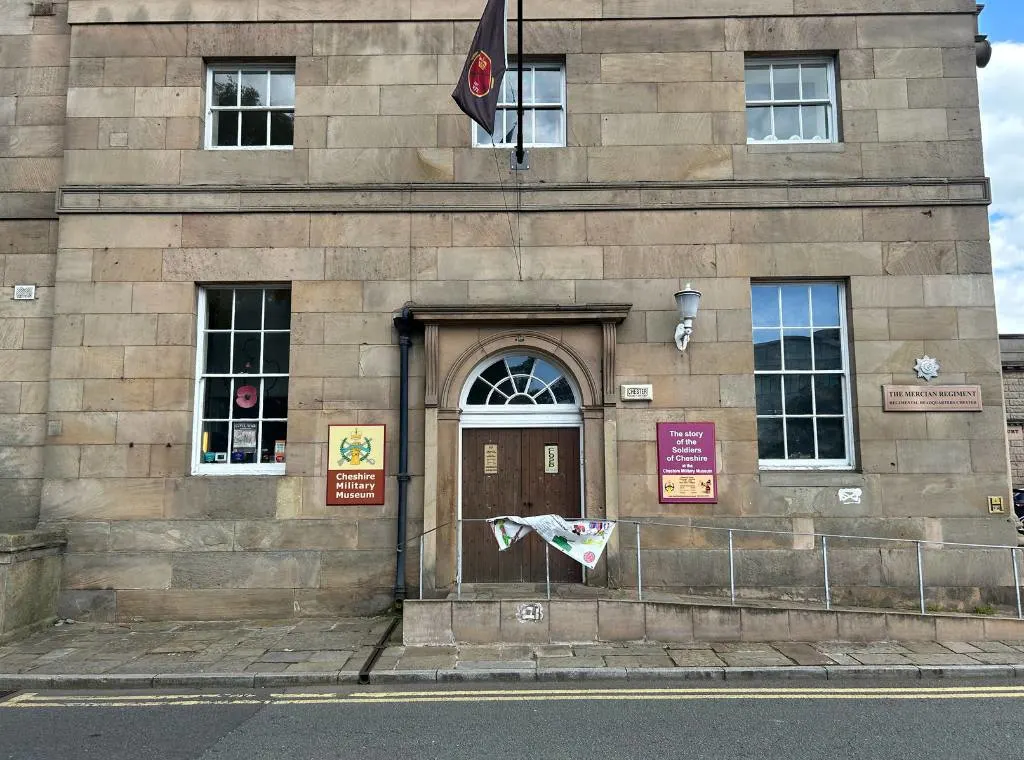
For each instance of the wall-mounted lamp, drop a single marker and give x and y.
(687, 301)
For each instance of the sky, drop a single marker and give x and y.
(1002, 118)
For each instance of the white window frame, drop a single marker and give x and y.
(849, 462)
(227, 468)
(832, 112)
(482, 140)
(210, 108)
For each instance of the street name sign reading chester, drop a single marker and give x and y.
(686, 463)
(355, 465)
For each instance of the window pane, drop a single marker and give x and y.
(528, 117)
(787, 123)
(797, 349)
(521, 400)
(274, 446)
(548, 86)
(505, 132)
(506, 389)
(831, 438)
(796, 306)
(215, 437)
(522, 382)
(282, 89)
(275, 352)
(225, 89)
(767, 350)
(815, 122)
(800, 438)
(278, 309)
(769, 439)
(246, 354)
(254, 128)
(254, 88)
(769, 394)
(545, 371)
(480, 136)
(765, 305)
(244, 441)
(758, 83)
(282, 128)
(218, 352)
(508, 88)
(216, 398)
(495, 373)
(246, 398)
(248, 309)
(563, 392)
(225, 128)
(478, 393)
(275, 397)
(815, 81)
(798, 394)
(218, 309)
(827, 351)
(759, 122)
(548, 128)
(825, 301)
(520, 365)
(828, 394)
(787, 83)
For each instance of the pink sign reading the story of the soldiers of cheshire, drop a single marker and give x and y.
(686, 463)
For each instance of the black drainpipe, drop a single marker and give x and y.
(403, 322)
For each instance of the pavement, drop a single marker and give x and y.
(145, 655)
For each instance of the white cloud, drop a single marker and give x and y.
(1002, 119)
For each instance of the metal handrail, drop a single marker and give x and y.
(420, 537)
(919, 544)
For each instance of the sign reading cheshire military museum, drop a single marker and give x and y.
(355, 465)
(931, 398)
(686, 463)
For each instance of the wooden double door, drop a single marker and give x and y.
(523, 472)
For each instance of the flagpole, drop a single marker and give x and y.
(519, 90)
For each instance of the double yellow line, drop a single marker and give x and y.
(37, 700)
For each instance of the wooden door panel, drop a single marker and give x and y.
(520, 486)
(548, 492)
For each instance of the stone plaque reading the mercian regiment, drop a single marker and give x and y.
(935, 398)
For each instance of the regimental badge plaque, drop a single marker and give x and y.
(355, 465)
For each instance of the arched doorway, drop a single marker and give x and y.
(520, 441)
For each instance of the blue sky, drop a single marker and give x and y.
(1002, 121)
(1003, 20)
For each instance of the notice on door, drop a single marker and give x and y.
(551, 460)
(490, 459)
(355, 465)
(686, 463)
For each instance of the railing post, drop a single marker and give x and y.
(422, 536)
(1016, 582)
(458, 563)
(732, 571)
(824, 557)
(547, 567)
(920, 576)
(639, 568)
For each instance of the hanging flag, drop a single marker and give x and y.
(480, 84)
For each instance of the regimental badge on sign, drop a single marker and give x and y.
(355, 465)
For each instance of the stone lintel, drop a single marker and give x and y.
(480, 197)
(601, 313)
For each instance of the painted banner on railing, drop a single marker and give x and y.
(583, 540)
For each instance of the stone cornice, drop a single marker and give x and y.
(454, 197)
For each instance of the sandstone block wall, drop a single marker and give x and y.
(33, 84)
(384, 201)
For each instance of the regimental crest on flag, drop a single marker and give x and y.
(477, 90)
(480, 78)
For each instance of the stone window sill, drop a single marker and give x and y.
(813, 478)
(808, 147)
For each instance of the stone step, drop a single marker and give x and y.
(564, 621)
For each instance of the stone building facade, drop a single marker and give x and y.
(1012, 351)
(225, 203)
